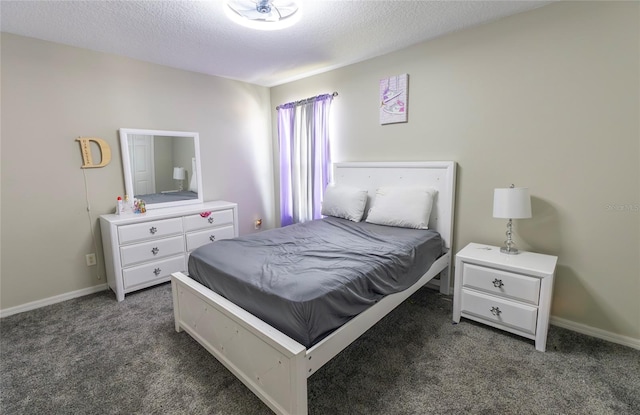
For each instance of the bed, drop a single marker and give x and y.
(275, 365)
(168, 196)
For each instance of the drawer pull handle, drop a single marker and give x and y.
(157, 271)
(155, 251)
(496, 311)
(210, 219)
(498, 283)
(212, 238)
(153, 230)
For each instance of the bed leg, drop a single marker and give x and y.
(445, 281)
(176, 309)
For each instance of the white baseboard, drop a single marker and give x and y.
(594, 332)
(556, 321)
(51, 300)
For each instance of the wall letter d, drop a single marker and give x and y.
(85, 149)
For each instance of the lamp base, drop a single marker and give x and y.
(509, 247)
(509, 251)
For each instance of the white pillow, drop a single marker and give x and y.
(406, 207)
(344, 202)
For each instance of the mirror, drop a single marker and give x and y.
(161, 167)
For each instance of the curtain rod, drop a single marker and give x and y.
(304, 101)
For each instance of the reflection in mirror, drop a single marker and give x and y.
(161, 167)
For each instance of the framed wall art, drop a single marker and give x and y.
(394, 92)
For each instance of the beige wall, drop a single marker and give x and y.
(548, 99)
(52, 94)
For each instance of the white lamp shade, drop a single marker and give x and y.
(512, 203)
(178, 173)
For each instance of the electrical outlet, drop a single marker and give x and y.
(91, 259)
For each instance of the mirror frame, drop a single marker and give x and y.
(126, 165)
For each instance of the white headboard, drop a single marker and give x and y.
(440, 175)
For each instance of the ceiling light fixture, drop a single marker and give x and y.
(263, 14)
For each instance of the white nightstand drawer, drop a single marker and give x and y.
(222, 217)
(151, 250)
(149, 230)
(197, 239)
(149, 272)
(504, 283)
(500, 311)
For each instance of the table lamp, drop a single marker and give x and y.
(178, 174)
(511, 203)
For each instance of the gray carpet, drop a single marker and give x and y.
(93, 355)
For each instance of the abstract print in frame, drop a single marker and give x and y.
(393, 99)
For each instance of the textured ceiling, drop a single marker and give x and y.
(197, 36)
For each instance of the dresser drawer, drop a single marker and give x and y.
(147, 251)
(149, 230)
(153, 271)
(217, 218)
(499, 310)
(197, 239)
(503, 283)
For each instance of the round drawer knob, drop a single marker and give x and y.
(496, 311)
(498, 283)
(155, 251)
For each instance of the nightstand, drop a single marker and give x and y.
(509, 292)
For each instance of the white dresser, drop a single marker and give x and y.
(142, 250)
(510, 292)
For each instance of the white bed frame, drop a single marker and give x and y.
(274, 366)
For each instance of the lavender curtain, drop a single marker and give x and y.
(305, 160)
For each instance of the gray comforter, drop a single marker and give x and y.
(308, 279)
(167, 197)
